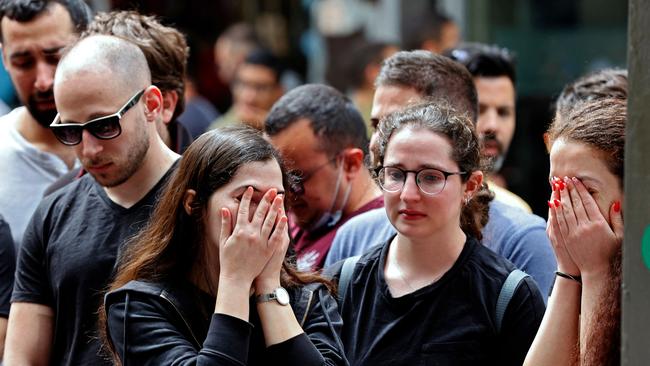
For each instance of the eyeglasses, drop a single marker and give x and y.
(298, 179)
(104, 128)
(430, 181)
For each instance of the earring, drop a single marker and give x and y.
(466, 201)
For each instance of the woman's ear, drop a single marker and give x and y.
(473, 184)
(188, 199)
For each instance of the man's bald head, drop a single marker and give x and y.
(123, 63)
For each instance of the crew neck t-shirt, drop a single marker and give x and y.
(68, 258)
(449, 322)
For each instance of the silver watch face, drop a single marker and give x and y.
(282, 296)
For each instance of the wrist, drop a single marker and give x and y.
(266, 286)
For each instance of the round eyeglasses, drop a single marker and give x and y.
(430, 181)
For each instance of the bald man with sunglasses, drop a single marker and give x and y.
(108, 111)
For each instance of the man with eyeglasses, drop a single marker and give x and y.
(33, 34)
(323, 141)
(410, 77)
(108, 112)
(255, 88)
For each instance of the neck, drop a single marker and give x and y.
(157, 161)
(42, 138)
(433, 255)
(363, 191)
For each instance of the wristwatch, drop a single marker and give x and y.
(279, 294)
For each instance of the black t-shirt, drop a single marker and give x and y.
(68, 257)
(7, 267)
(450, 322)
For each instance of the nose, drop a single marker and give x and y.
(488, 121)
(44, 76)
(90, 145)
(410, 191)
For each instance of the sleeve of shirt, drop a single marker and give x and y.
(520, 323)
(342, 245)
(533, 254)
(7, 267)
(143, 334)
(32, 279)
(320, 344)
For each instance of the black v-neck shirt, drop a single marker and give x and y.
(68, 258)
(450, 322)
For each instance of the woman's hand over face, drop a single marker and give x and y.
(246, 248)
(588, 237)
(564, 262)
(269, 279)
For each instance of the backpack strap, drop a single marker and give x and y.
(507, 291)
(346, 275)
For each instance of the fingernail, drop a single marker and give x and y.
(554, 187)
(557, 203)
(617, 206)
(550, 205)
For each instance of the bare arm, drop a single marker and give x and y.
(3, 334)
(29, 334)
(556, 341)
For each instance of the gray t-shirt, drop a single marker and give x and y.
(26, 172)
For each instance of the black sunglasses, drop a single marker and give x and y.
(104, 128)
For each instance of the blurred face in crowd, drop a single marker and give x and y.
(496, 120)
(575, 159)
(30, 52)
(255, 89)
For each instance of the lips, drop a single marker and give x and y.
(410, 214)
(98, 168)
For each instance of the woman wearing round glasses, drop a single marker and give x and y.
(428, 295)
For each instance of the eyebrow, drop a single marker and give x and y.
(47, 51)
(255, 189)
(421, 166)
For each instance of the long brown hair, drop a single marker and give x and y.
(173, 240)
(460, 131)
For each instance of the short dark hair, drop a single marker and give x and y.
(264, 57)
(485, 60)
(26, 10)
(332, 116)
(165, 48)
(601, 84)
(435, 77)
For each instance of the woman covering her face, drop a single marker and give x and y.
(207, 281)
(582, 323)
(428, 295)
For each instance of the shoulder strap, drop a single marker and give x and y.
(507, 290)
(346, 275)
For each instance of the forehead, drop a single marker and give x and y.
(261, 175)
(298, 144)
(255, 73)
(391, 98)
(418, 147)
(575, 159)
(52, 28)
(98, 97)
(497, 90)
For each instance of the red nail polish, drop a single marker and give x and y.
(553, 187)
(550, 205)
(557, 203)
(617, 206)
